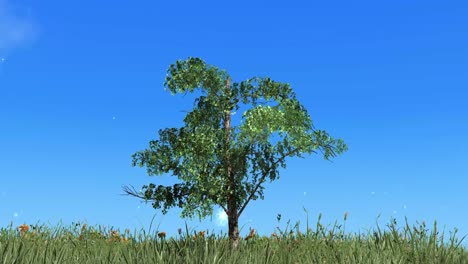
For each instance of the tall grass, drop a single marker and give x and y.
(80, 244)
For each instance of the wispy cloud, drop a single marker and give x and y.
(16, 214)
(16, 27)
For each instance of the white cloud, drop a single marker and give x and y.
(15, 29)
(222, 218)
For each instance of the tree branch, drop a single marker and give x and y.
(129, 192)
(224, 208)
(135, 194)
(263, 178)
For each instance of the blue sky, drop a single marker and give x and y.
(81, 87)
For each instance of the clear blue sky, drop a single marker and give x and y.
(81, 90)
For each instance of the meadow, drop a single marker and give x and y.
(82, 244)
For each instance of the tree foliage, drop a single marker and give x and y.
(197, 153)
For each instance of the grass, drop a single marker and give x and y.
(80, 244)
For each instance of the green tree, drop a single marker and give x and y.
(211, 158)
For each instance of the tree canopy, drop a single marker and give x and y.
(220, 164)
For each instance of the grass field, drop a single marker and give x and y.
(82, 244)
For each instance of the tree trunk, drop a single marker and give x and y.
(233, 222)
(233, 217)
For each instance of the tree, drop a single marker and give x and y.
(211, 158)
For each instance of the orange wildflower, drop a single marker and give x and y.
(251, 234)
(24, 228)
(274, 236)
(201, 234)
(114, 236)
